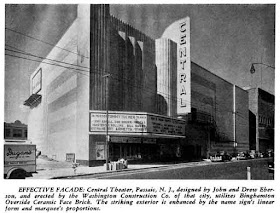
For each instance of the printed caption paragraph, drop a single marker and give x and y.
(86, 199)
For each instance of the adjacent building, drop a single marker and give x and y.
(262, 112)
(219, 118)
(16, 131)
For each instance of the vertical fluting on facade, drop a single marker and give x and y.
(166, 62)
(128, 74)
(139, 77)
(150, 76)
(115, 86)
(132, 62)
(99, 55)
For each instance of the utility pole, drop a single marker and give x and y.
(234, 120)
(107, 118)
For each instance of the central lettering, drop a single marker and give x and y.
(182, 67)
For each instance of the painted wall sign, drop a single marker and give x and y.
(19, 153)
(129, 122)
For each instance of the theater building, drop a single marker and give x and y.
(16, 131)
(161, 106)
(68, 100)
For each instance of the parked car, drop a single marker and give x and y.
(226, 157)
(268, 153)
(241, 156)
(259, 155)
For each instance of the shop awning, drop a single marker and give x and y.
(33, 100)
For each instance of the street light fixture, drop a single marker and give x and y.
(252, 70)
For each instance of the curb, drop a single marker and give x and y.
(107, 172)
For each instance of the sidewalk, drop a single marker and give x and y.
(47, 169)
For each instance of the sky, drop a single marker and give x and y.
(225, 39)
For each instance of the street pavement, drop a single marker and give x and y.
(229, 170)
(51, 169)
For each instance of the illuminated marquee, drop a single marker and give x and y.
(138, 124)
(183, 66)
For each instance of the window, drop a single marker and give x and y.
(17, 133)
(7, 133)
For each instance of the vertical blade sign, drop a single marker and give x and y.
(183, 66)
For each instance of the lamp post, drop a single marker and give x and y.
(107, 118)
(252, 70)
